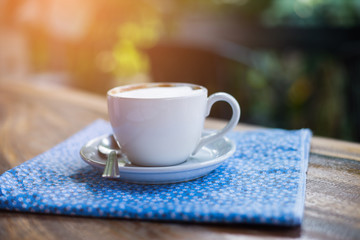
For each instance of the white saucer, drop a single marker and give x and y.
(207, 159)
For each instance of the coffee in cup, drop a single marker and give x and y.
(161, 124)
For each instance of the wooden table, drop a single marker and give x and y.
(35, 118)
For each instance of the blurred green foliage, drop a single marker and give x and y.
(295, 90)
(295, 87)
(289, 88)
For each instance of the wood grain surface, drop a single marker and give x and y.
(34, 119)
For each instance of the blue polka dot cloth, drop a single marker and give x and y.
(262, 183)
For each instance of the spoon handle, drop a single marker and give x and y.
(112, 168)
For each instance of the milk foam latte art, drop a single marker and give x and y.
(167, 91)
(157, 91)
(160, 124)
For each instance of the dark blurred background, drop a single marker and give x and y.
(290, 63)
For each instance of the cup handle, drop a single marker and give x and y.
(236, 111)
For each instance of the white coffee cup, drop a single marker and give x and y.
(161, 124)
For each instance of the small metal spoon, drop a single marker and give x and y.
(109, 148)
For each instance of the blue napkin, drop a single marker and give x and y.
(262, 183)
